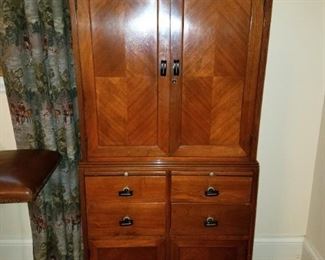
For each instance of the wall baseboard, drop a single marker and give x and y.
(16, 249)
(310, 252)
(278, 248)
(265, 248)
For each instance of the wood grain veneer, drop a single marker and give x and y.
(103, 219)
(230, 190)
(188, 218)
(169, 137)
(144, 189)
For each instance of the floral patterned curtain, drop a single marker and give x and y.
(36, 55)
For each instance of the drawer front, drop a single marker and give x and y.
(146, 248)
(105, 219)
(210, 220)
(208, 250)
(215, 189)
(125, 189)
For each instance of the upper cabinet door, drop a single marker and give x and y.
(217, 43)
(120, 48)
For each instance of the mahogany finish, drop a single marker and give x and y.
(189, 218)
(209, 250)
(143, 188)
(170, 96)
(122, 110)
(131, 110)
(228, 190)
(104, 219)
(212, 90)
(128, 249)
(23, 173)
(218, 88)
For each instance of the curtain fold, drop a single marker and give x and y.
(37, 62)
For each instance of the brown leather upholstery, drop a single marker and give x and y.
(24, 172)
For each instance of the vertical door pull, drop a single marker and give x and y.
(176, 68)
(163, 68)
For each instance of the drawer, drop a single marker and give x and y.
(125, 189)
(185, 249)
(210, 220)
(138, 248)
(105, 219)
(215, 189)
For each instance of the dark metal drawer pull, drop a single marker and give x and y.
(210, 222)
(163, 68)
(126, 192)
(212, 192)
(176, 68)
(126, 221)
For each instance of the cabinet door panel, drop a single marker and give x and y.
(128, 249)
(220, 58)
(119, 54)
(209, 250)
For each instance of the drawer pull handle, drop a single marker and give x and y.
(176, 68)
(126, 222)
(211, 192)
(210, 222)
(163, 68)
(126, 192)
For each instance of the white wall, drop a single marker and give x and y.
(290, 126)
(15, 234)
(291, 115)
(315, 237)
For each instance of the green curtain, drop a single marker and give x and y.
(37, 63)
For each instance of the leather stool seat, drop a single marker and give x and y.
(23, 173)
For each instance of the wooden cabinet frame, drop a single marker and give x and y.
(169, 96)
(172, 149)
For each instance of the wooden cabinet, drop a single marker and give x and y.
(209, 220)
(207, 189)
(217, 44)
(132, 189)
(125, 108)
(128, 249)
(170, 95)
(209, 250)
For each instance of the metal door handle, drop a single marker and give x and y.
(176, 68)
(163, 68)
